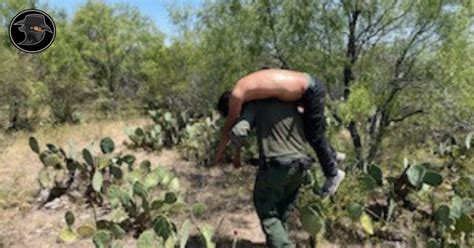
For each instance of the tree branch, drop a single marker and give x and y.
(407, 115)
(271, 23)
(371, 24)
(371, 33)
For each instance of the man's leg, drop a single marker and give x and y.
(315, 127)
(288, 203)
(268, 192)
(315, 131)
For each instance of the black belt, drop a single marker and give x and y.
(302, 163)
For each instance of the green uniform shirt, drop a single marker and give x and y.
(279, 128)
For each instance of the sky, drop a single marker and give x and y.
(155, 9)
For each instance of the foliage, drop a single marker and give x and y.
(143, 204)
(195, 138)
(22, 89)
(110, 54)
(397, 78)
(375, 203)
(89, 61)
(372, 79)
(454, 222)
(143, 200)
(171, 79)
(375, 82)
(165, 132)
(65, 75)
(200, 140)
(58, 173)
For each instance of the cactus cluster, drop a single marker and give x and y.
(142, 199)
(58, 173)
(201, 137)
(62, 173)
(142, 204)
(200, 140)
(164, 132)
(195, 138)
(453, 222)
(413, 177)
(395, 189)
(99, 172)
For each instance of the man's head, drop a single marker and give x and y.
(223, 103)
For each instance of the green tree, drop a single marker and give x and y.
(111, 40)
(21, 92)
(65, 74)
(375, 56)
(169, 73)
(454, 108)
(19, 78)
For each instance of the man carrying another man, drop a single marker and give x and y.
(267, 101)
(283, 162)
(288, 86)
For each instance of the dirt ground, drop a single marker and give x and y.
(226, 192)
(229, 208)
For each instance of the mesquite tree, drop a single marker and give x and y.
(378, 59)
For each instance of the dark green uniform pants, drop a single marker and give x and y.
(276, 189)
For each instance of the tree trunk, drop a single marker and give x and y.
(356, 141)
(348, 74)
(374, 143)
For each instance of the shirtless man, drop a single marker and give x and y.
(291, 86)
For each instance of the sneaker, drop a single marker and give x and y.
(332, 183)
(340, 157)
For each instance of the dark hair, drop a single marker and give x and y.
(223, 104)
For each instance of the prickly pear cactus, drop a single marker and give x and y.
(165, 132)
(200, 141)
(58, 172)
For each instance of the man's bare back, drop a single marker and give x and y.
(285, 85)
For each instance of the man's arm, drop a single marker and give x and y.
(236, 162)
(235, 105)
(241, 130)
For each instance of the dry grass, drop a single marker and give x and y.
(21, 225)
(19, 166)
(226, 193)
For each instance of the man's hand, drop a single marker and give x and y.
(221, 148)
(235, 105)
